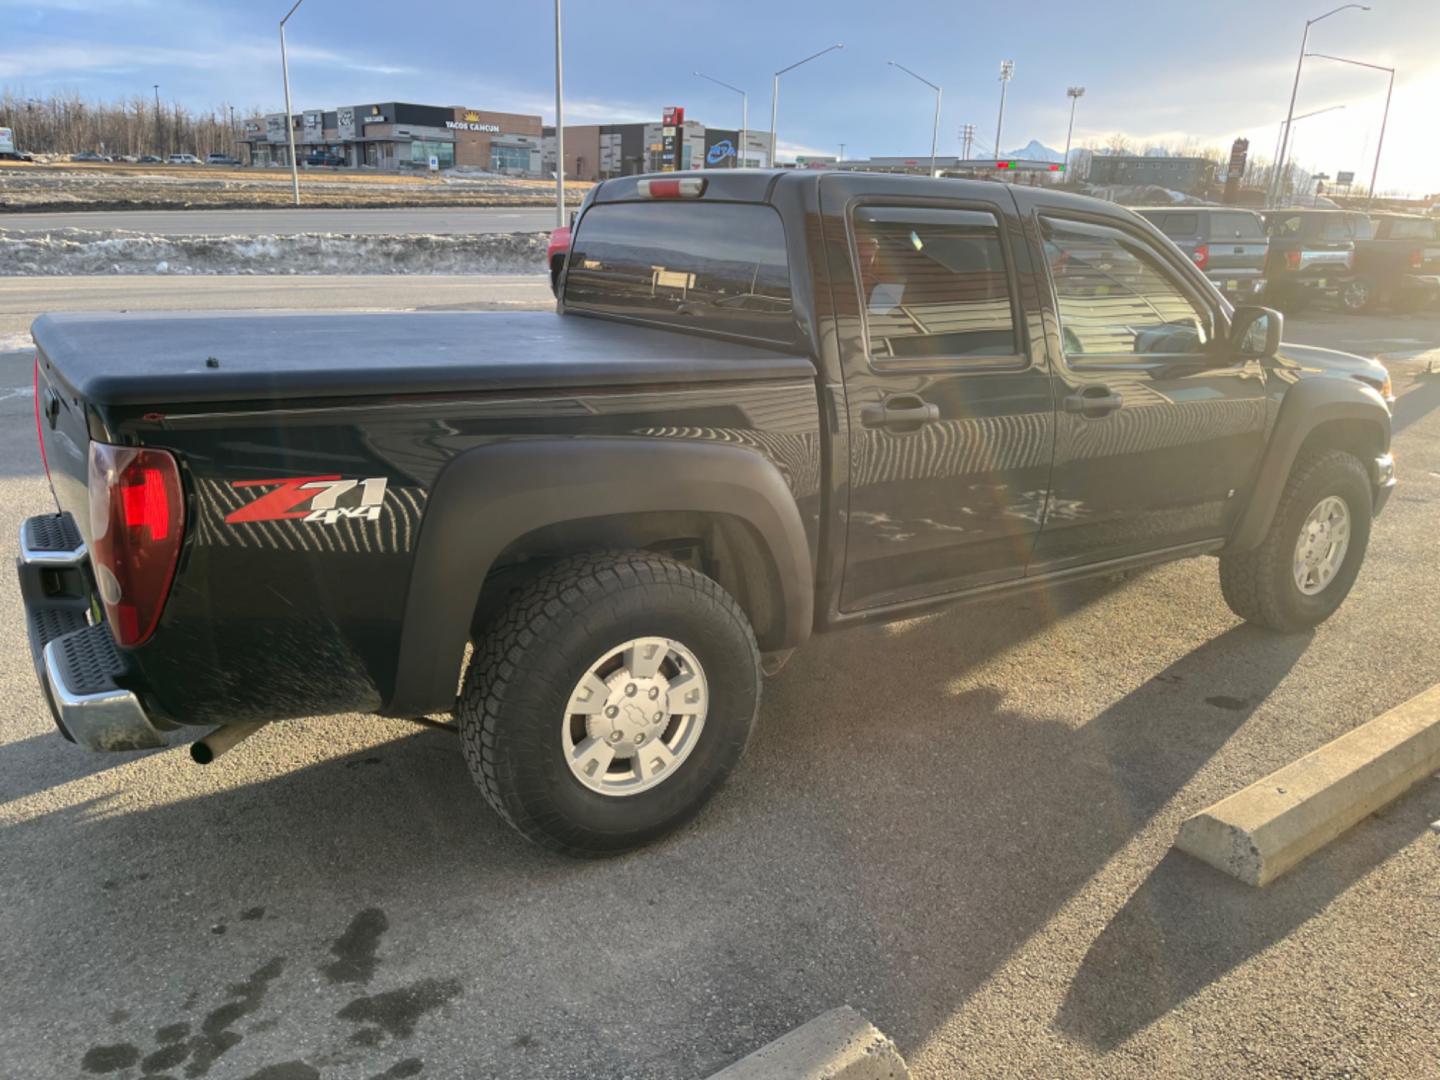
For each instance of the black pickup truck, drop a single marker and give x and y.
(771, 404)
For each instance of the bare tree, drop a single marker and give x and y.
(65, 123)
(1118, 143)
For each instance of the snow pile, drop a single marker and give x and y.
(83, 251)
(1143, 195)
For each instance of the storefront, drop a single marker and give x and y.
(397, 135)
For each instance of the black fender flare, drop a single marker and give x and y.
(1309, 403)
(489, 497)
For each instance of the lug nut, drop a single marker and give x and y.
(616, 736)
(630, 690)
(639, 740)
(612, 712)
(654, 692)
(657, 717)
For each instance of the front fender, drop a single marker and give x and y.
(489, 497)
(1308, 404)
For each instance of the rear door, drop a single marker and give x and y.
(947, 387)
(1237, 244)
(1159, 431)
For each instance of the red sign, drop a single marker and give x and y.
(674, 116)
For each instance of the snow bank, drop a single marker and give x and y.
(83, 251)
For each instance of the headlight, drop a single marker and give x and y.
(1386, 390)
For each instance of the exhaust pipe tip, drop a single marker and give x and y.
(206, 749)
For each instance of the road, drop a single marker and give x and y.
(435, 219)
(958, 824)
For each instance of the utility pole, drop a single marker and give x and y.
(559, 127)
(289, 121)
(159, 133)
(1007, 72)
(967, 140)
(1075, 93)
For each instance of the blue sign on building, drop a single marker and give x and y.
(719, 152)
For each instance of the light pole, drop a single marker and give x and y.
(158, 134)
(1295, 120)
(289, 122)
(935, 130)
(744, 112)
(1075, 93)
(1295, 89)
(1007, 72)
(1384, 117)
(775, 98)
(559, 126)
(842, 153)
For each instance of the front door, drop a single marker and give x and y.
(950, 412)
(1159, 430)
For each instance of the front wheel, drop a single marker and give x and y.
(1304, 568)
(609, 701)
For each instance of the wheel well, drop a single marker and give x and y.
(1358, 437)
(721, 546)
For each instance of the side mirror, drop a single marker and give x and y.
(1255, 333)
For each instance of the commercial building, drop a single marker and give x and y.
(600, 151)
(1191, 175)
(398, 135)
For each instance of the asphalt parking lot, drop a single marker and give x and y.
(958, 824)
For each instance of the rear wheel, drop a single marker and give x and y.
(1304, 568)
(1358, 296)
(609, 701)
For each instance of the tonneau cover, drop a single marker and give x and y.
(151, 358)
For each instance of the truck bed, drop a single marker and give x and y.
(156, 359)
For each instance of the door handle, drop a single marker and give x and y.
(1093, 402)
(903, 412)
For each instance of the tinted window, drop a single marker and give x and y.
(1115, 297)
(712, 267)
(1407, 229)
(1180, 226)
(1360, 227)
(1235, 227)
(934, 284)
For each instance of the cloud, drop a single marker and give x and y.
(90, 57)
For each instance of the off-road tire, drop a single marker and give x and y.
(531, 657)
(1259, 584)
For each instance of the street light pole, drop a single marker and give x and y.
(559, 125)
(1277, 183)
(934, 131)
(1384, 118)
(158, 136)
(1075, 93)
(289, 120)
(1007, 71)
(775, 99)
(744, 112)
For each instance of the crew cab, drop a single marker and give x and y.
(1312, 254)
(1398, 266)
(1227, 243)
(768, 405)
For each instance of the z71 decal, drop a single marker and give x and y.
(317, 500)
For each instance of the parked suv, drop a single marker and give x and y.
(184, 159)
(325, 157)
(1312, 254)
(221, 159)
(1228, 244)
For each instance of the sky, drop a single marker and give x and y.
(1159, 72)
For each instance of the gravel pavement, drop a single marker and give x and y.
(958, 824)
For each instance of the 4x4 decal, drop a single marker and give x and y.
(313, 499)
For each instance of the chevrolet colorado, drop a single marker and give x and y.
(769, 404)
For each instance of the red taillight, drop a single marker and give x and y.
(137, 516)
(1201, 255)
(1417, 259)
(39, 426)
(1292, 260)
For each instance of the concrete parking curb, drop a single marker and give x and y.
(1259, 833)
(837, 1045)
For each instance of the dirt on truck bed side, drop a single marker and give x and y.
(83, 186)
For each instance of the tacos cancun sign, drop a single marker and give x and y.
(469, 124)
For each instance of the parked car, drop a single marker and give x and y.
(89, 155)
(1312, 254)
(183, 159)
(768, 404)
(1399, 266)
(221, 159)
(1227, 244)
(325, 158)
(556, 251)
(150, 159)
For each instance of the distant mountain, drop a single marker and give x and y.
(1036, 151)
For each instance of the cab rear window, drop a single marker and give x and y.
(707, 267)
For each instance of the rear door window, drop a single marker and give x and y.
(710, 267)
(1236, 227)
(934, 285)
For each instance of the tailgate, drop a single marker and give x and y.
(1238, 255)
(62, 419)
